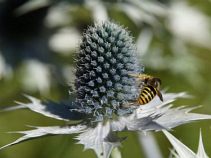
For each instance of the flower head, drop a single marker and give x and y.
(105, 59)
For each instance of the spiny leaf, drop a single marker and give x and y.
(59, 111)
(170, 117)
(182, 150)
(201, 152)
(43, 131)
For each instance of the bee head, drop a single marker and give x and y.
(155, 82)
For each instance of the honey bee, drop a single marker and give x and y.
(150, 88)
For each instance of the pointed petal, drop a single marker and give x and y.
(132, 123)
(100, 139)
(51, 109)
(43, 131)
(177, 116)
(181, 149)
(11, 108)
(167, 99)
(201, 152)
(157, 115)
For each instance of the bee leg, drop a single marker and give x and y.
(160, 95)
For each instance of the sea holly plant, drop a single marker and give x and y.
(103, 91)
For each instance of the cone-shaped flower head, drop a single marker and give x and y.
(106, 57)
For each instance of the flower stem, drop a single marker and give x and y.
(116, 153)
(150, 146)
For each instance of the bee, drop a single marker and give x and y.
(150, 88)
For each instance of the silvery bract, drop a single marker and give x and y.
(182, 150)
(105, 59)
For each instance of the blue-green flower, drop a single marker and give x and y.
(105, 59)
(103, 85)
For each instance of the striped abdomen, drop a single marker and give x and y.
(146, 95)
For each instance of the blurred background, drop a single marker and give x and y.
(38, 42)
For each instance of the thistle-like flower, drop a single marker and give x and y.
(106, 56)
(103, 85)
